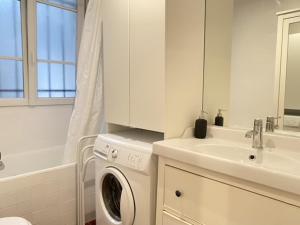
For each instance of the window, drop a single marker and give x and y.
(11, 50)
(38, 51)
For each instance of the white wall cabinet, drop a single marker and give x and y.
(153, 63)
(116, 60)
(189, 195)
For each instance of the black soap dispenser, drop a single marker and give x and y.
(201, 126)
(219, 120)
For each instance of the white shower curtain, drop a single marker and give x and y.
(87, 116)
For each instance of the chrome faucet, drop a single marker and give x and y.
(256, 134)
(270, 125)
(1, 163)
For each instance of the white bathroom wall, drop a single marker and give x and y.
(31, 128)
(253, 59)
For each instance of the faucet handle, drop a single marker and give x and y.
(258, 126)
(249, 134)
(1, 163)
(270, 125)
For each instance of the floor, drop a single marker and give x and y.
(91, 223)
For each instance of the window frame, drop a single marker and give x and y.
(29, 41)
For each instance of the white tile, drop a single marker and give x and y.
(8, 199)
(24, 194)
(38, 201)
(9, 211)
(69, 218)
(43, 199)
(67, 194)
(68, 205)
(24, 207)
(48, 214)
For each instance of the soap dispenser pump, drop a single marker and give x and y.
(219, 120)
(201, 126)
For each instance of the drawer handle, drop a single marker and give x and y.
(178, 193)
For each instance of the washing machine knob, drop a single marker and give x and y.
(114, 153)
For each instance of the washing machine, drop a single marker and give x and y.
(126, 178)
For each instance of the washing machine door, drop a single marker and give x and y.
(116, 198)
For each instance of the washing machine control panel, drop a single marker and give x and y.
(128, 156)
(136, 160)
(114, 154)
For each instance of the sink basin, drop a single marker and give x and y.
(273, 160)
(275, 167)
(228, 152)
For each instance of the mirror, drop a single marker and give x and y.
(288, 58)
(244, 62)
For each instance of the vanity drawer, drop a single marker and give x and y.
(193, 197)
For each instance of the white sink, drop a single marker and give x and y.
(274, 160)
(229, 152)
(276, 166)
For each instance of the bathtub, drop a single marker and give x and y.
(39, 187)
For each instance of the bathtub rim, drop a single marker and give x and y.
(23, 175)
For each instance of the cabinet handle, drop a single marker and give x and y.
(178, 193)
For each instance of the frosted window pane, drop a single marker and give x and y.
(67, 3)
(56, 80)
(43, 78)
(10, 27)
(56, 41)
(70, 94)
(11, 79)
(56, 33)
(70, 37)
(70, 80)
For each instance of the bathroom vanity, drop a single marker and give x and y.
(223, 181)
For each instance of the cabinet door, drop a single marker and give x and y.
(116, 60)
(147, 60)
(169, 219)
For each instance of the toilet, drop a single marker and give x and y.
(13, 221)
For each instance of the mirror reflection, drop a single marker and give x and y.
(259, 76)
(292, 86)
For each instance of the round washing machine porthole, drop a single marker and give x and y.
(111, 193)
(116, 197)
